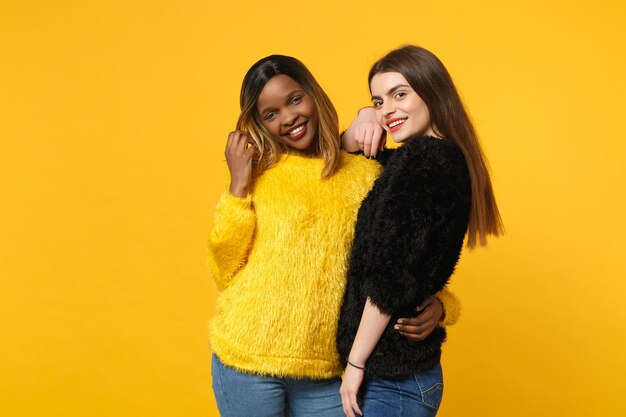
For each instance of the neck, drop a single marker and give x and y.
(312, 151)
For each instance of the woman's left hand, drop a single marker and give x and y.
(418, 328)
(349, 391)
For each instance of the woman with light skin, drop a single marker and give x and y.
(434, 191)
(278, 249)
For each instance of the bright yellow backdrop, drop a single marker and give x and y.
(113, 118)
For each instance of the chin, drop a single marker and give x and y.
(399, 138)
(304, 145)
(301, 145)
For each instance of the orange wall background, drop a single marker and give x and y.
(113, 119)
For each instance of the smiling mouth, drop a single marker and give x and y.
(297, 132)
(395, 124)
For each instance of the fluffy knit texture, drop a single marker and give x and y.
(408, 239)
(279, 258)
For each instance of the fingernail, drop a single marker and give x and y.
(396, 327)
(400, 321)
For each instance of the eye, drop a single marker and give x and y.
(270, 116)
(296, 100)
(377, 103)
(400, 95)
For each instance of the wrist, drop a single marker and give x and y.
(238, 190)
(356, 365)
(442, 317)
(363, 108)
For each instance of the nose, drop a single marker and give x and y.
(388, 108)
(289, 118)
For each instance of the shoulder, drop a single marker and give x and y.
(421, 154)
(424, 168)
(357, 163)
(432, 150)
(381, 157)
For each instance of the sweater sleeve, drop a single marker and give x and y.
(451, 307)
(418, 228)
(230, 237)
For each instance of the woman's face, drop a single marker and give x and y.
(399, 109)
(288, 113)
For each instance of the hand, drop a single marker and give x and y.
(349, 390)
(366, 132)
(239, 160)
(418, 328)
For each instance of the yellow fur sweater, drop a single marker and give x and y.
(279, 258)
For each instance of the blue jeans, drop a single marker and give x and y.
(418, 395)
(241, 394)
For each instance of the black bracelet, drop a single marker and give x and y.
(362, 368)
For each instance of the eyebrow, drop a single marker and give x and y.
(392, 89)
(289, 97)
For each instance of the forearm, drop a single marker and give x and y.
(347, 140)
(230, 237)
(239, 189)
(451, 307)
(372, 325)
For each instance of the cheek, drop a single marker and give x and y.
(424, 115)
(311, 111)
(420, 115)
(270, 127)
(380, 119)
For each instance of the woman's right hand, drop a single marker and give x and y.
(420, 327)
(239, 160)
(364, 133)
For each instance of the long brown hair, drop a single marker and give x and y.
(268, 148)
(429, 78)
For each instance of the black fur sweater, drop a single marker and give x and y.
(408, 239)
